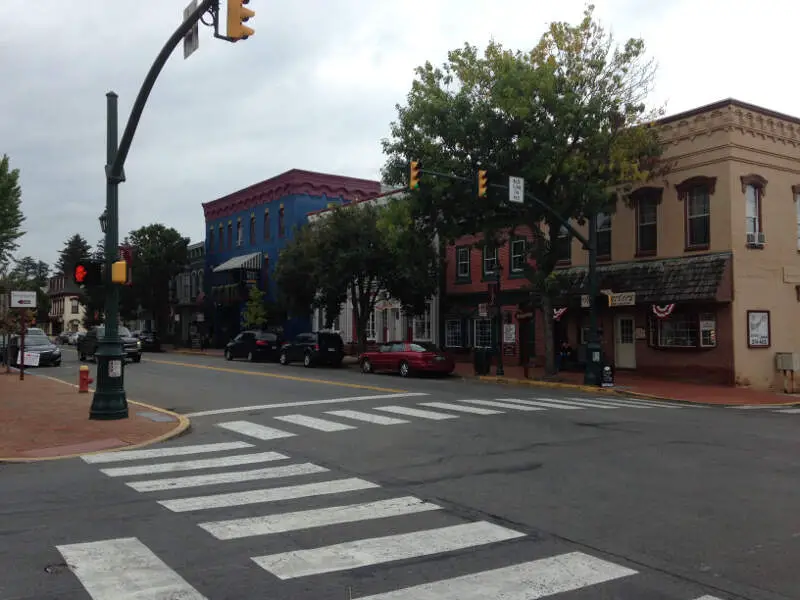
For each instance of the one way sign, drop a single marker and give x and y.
(23, 299)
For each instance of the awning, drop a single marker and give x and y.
(246, 261)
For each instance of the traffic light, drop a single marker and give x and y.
(88, 273)
(237, 15)
(483, 184)
(119, 272)
(413, 180)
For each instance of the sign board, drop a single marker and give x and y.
(483, 309)
(191, 41)
(31, 359)
(516, 190)
(585, 301)
(622, 299)
(23, 299)
(509, 333)
(115, 368)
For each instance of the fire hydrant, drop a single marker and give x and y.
(84, 380)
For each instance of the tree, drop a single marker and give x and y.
(255, 313)
(568, 116)
(94, 298)
(75, 249)
(295, 272)
(11, 217)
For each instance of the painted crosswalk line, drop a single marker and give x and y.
(372, 551)
(194, 465)
(416, 412)
(107, 457)
(474, 410)
(526, 581)
(320, 517)
(636, 403)
(264, 496)
(789, 411)
(707, 597)
(260, 432)
(545, 403)
(125, 569)
(506, 405)
(358, 415)
(314, 423)
(160, 485)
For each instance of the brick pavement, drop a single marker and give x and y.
(44, 418)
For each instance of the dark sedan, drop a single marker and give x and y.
(37, 342)
(88, 344)
(254, 345)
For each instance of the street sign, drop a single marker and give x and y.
(20, 299)
(191, 40)
(516, 190)
(483, 309)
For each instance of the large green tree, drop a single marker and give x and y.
(75, 249)
(569, 116)
(11, 217)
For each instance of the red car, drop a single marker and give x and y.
(406, 358)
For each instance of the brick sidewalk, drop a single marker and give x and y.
(640, 386)
(43, 418)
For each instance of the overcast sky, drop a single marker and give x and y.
(315, 88)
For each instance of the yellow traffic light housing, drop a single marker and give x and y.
(413, 180)
(483, 184)
(119, 272)
(237, 15)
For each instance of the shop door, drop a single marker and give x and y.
(624, 342)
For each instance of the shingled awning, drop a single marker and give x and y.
(698, 278)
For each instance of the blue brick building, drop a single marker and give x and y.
(246, 230)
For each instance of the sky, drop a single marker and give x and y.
(315, 88)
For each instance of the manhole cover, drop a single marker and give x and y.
(57, 568)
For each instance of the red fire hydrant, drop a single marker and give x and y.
(84, 380)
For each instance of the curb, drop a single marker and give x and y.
(182, 427)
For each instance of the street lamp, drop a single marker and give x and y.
(104, 221)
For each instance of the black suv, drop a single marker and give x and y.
(87, 345)
(254, 345)
(323, 347)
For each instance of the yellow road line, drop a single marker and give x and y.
(276, 376)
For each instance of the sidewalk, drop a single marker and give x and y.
(630, 384)
(42, 418)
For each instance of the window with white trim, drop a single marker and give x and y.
(371, 327)
(422, 325)
(489, 260)
(797, 216)
(462, 262)
(698, 216)
(684, 330)
(452, 333)
(518, 255)
(483, 333)
(753, 209)
(604, 235)
(239, 232)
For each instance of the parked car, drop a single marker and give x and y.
(150, 340)
(87, 345)
(319, 348)
(63, 337)
(407, 358)
(254, 345)
(36, 341)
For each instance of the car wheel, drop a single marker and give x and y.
(283, 358)
(81, 357)
(366, 366)
(228, 355)
(251, 357)
(137, 358)
(57, 364)
(307, 359)
(405, 370)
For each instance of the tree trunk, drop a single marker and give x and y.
(549, 346)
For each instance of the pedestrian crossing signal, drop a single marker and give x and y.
(88, 273)
(413, 180)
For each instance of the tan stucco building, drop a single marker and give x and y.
(704, 265)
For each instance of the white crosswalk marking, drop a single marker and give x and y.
(159, 485)
(125, 569)
(474, 410)
(307, 519)
(293, 492)
(194, 465)
(607, 402)
(585, 403)
(357, 415)
(108, 457)
(260, 432)
(545, 403)
(707, 597)
(371, 551)
(314, 423)
(416, 412)
(635, 403)
(496, 404)
(791, 411)
(526, 581)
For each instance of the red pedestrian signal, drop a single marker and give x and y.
(80, 274)
(88, 273)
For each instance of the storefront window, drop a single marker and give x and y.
(452, 333)
(483, 333)
(686, 330)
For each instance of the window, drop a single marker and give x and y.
(230, 235)
(221, 240)
(281, 222)
(210, 239)
(797, 216)
(239, 232)
(518, 256)
(489, 260)
(603, 235)
(74, 306)
(371, 328)
(462, 262)
(266, 224)
(646, 225)
(752, 209)
(252, 229)
(696, 193)
(687, 330)
(452, 333)
(563, 245)
(422, 325)
(483, 333)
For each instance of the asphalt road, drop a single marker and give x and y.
(409, 489)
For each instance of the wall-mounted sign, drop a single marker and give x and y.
(23, 299)
(758, 329)
(622, 299)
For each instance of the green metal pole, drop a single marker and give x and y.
(109, 401)
(594, 351)
(499, 370)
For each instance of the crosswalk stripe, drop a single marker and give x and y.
(584, 402)
(357, 415)
(525, 581)
(292, 492)
(108, 457)
(631, 402)
(158, 485)
(314, 423)
(416, 412)
(599, 402)
(372, 551)
(461, 408)
(707, 597)
(544, 403)
(125, 569)
(194, 465)
(496, 404)
(791, 411)
(307, 519)
(260, 432)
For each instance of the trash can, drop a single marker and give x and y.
(607, 376)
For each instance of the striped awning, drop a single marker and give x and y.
(246, 261)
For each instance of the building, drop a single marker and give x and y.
(700, 274)
(246, 230)
(188, 312)
(387, 322)
(66, 308)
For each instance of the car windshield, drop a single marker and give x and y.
(37, 339)
(423, 347)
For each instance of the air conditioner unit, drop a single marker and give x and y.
(756, 239)
(761, 238)
(787, 361)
